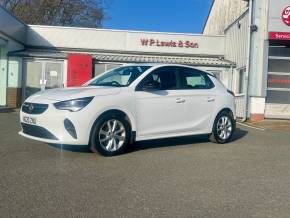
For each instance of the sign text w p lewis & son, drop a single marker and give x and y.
(172, 43)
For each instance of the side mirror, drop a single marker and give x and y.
(151, 86)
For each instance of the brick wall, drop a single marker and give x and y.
(14, 96)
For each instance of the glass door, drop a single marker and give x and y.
(53, 75)
(278, 88)
(33, 72)
(3, 72)
(41, 75)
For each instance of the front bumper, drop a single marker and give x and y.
(50, 126)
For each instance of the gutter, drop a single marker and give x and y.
(248, 62)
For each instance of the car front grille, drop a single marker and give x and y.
(37, 131)
(33, 108)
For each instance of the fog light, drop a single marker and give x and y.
(68, 125)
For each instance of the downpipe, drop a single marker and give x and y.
(248, 62)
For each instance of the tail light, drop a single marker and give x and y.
(229, 91)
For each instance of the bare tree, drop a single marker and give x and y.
(83, 13)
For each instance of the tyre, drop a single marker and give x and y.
(223, 128)
(110, 135)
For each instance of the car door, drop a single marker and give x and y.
(198, 94)
(159, 107)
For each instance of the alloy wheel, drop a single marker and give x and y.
(112, 135)
(224, 127)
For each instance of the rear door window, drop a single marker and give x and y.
(194, 79)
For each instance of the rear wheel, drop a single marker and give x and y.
(110, 135)
(223, 128)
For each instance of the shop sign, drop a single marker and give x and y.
(279, 35)
(171, 43)
(286, 15)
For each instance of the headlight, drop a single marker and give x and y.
(74, 104)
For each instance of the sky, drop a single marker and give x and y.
(181, 16)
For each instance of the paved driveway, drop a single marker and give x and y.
(187, 177)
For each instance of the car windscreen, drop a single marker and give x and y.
(119, 77)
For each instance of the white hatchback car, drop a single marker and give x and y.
(131, 103)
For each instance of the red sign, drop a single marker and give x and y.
(279, 35)
(79, 69)
(286, 15)
(161, 43)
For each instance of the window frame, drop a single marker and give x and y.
(202, 73)
(139, 86)
(178, 71)
(89, 83)
(240, 84)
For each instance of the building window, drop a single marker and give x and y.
(100, 68)
(217, 74)
(241, 81)
(112, 66)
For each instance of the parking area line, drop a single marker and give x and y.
(252, 127)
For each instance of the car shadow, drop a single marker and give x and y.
(179, 141)
(238, 134)
(156, 143)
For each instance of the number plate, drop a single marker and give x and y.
(29, 120)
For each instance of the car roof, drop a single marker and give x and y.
(164, 65)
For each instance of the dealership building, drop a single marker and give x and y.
(244, 43)
(258, 41)
(36, 58)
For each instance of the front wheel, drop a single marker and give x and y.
(110, 135)
(223, 128)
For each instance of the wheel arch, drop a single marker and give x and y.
(128, 116)
(117, 112)
(214, 135)
(225, 109)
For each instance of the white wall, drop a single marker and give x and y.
(276, 23)
(128, 41)
(222, 14)
(236, 41)
(236, 47)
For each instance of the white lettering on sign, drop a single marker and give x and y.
(279, 35)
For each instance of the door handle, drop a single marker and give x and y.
(180, 100)
(210, 99)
